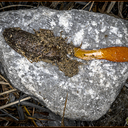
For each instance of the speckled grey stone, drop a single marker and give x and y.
(94, 88)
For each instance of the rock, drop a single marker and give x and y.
(92, 91)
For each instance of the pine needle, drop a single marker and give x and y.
(30, 115)
(16, 6)
(111, 6)
(15, 102)
(91, 6)
(62, 121)
(120, 8)
(86, 5)
(104, 7)
(8, 92)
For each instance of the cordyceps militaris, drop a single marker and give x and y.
(19, 39)
(115, 54)
(44, 46)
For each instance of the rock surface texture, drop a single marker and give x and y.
(92, 91)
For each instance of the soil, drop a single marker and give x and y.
(43, 46)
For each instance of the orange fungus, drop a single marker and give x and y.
(116, 54)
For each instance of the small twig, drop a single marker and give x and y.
(10, 104)
(4, 98)
(54, 4)
(30, 115)
(86, 5)
(91, 6)
(9, 115)
(8, 91)
(38, 4)
(104, 7)
(5, 83)
(62, 121)
(111, 6)
(3, 78)
(61, 6)
(42, 4)
(120, 8)
(71, 6)
(39, 119)
(33, 111)
(1, 6)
